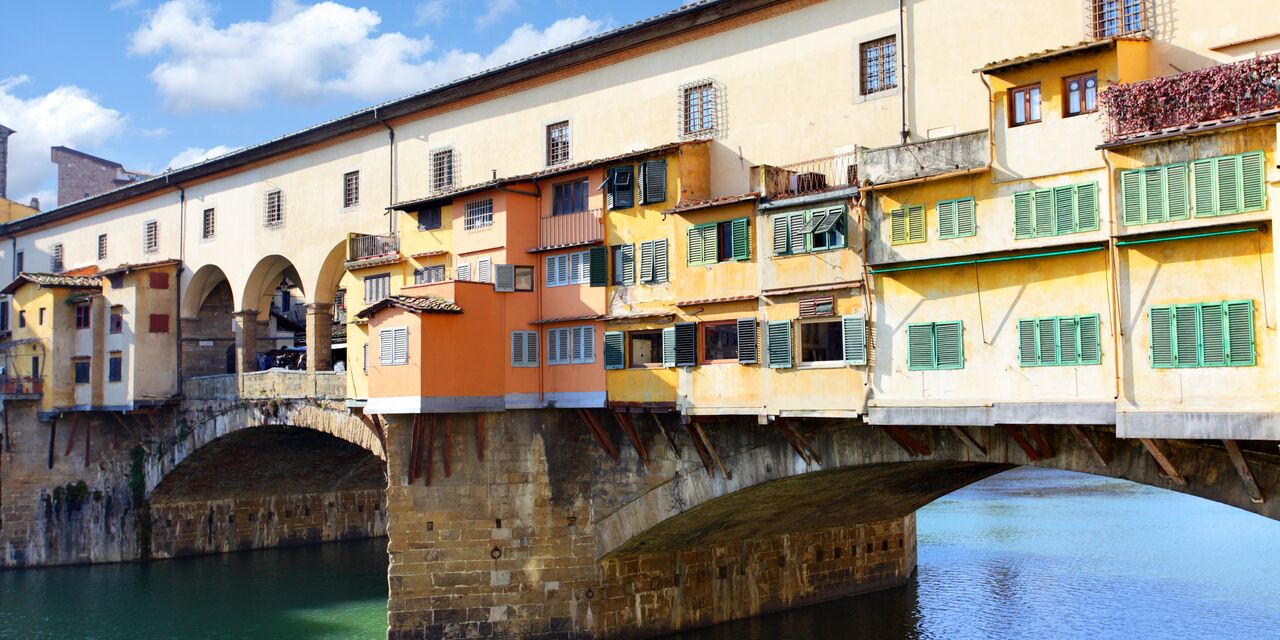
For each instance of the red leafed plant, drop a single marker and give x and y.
(1225, 90)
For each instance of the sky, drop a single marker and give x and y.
(156, 84)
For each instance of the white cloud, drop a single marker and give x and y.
(432, 12)
(192, 155)
(496, 10)
(302, 53)
(158, 132)
(68, 116)
(121, 5)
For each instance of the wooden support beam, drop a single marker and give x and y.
(804, 442)
(906, 440)
(701, 449)
(431, 446)
(1242, 468)
(781, 426)
(448, 445)
(968, 440)
(671, 440)
(1087, 444)
(633, 435)
(1042, 444)
(480, 436)
(1163, 460)
(415, 440)
(1016, 434)
(595, 428)
(71, 437)
(711, 450)
(381, 430)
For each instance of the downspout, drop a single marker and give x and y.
(177, 281)
(902, 58)
(394, 221)
(1113, 291)
(991, 121)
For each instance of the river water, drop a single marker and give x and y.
(1031, 553)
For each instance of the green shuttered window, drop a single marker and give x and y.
(618, 191)
(747, 345)
(1055, 212)
(811, 230)
(1208, 334)
(1228, 184)
(1063, 341)
(702, 244)
(906, 224)
(956, 218)
(1155, 194)
(777, 343)
(614, 355)
(705, 240)
(855, 339)
(686, 347)
(598, 262)
(935, 345)
(652, 181)
(653, 261)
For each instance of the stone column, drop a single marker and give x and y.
(319, 336)
(246, 324)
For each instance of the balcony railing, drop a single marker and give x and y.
(18, 388)
(364, 247)
(810, 177)
(1223, 91)
(570, 229)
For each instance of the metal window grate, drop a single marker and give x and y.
(701, 109)
(209, 224)
(443, 169)
(1113, 18)
(102, 246)
(351, 189)
(878, 65)
(55, 258)
(557, 143)
(151, 236)
(478, 214)
(274, 209)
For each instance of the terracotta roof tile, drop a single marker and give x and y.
(741, 298)
(416, 304)
(1050, 54)
(125, 268)
(54, 280)
(698, 205)
(579, 318)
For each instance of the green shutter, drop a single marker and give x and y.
(1228, 183)
(1204, 192)
(920, 347)
(855, 339)
(1186, 335)
(777, 338)
(1044, 211)
(614, 358)
(915, 223)
(599, 263)
(653, 181)
(646, 261)
(1027, 337)
(1213, 339)
(1023, 224)
(686, 344)
(947, 219)
(949, 347)
(898, 226)
(1087, 207)
(1064, 210)
(660, 260)
(669, 347)
(798, 239)
(1240, 345)
(1047, 340)
(620, 192)
(741, 238)
(1131, 194)
(1161, 337)
(1156, 208)
(748, 347)
(780, 225)
(966, 217)
(696, 240)
(1176, 197)
(1253, 182)
(1090, 339)
(1068, 341)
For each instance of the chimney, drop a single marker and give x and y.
(35, 203)
(4, 160)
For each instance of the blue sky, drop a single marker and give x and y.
(154, 83)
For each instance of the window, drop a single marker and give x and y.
(365, 357)
(209, 224)
(478, 214)
(115, 367)
(812, 230)
(777, 343)
(1082, 94)
(956, 219)
(720, 341)
(653, 261)
(699, 108)
(116, 325)
(150, 236)
(393, 346)
(1217, 334)
(463, 272)
(571, 345)
(160, 280)
(935, 345)
(1024, 105)
(652, 181)
(821, 341)
(584, 344)
(5, 303)
(35, 365)
(524, 278)
(426, 275)
(906, 224)
(1155, 194)
(19, 261)
(273, 209)
(686, 344)
(645, 349)
(568, 268)
(116, 280)
(484, 270)
(429, 219)
(55, 258)
(524, 348)
(618, 188)
(1055, 212)
(377, 287)
(1059, 341)
(1118, 17)
(878, 65)
(158, 323)
(569, 197)
(350, 189)
(442, 170)
(80, 367)
(40, 317)
(714, 242)
(1228, 184)
(83, 315)
(102, 246)
(624, 264)
(22, 318)
(557, 143)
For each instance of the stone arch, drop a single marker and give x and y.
(260, 285)
(199, 286)
(329, 275)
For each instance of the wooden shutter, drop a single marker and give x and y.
(1155, 207)
(1177, 198)
(1047, 340)
(660, 260)
(1228, 183)
(565, 347)
(598, 260)
(1068, 340)
(531, 348)
(628, 252)
(950, 344)
(1204, 190)
(402, 345)
(1161, 336)
(855, 339)
(898, 226)
(1090, 339)
(553, 346)
(1240, 341)
(614, 358)
(518, 356)
(584, 344)
(1023, 223)
(1213, 338)
(780, 225)
(551, 270)
(915, 223)
(817, 306)
(686, 344)
(920, 351)
(669, 347)
(1253, 182)
(1131, 194)
(1064, 210)
(1027, 340)
(741, 229)
(464, 272)
(1043, 211)
(653, 181)
(777, 338)
(619, 192)
(504, 280)
(1086, 206)
(947, 219)
(694, 245)
(1186, 335)
(966, 217)
(748, 347)
(798, 240)
(646, 261)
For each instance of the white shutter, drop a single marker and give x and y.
(531, 348)
(575, 268)
(584, 344)
(566, 347)
(484, 269)
(504, 279)
(386, 348)
(552, 346)
(550, 271)
(401, 345)
(464, 271)
(517, 349)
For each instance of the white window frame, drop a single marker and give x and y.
(797, 342)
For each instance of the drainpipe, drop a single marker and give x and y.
(1114, 267)
(391, 172)
(991, 121)
(902, 58)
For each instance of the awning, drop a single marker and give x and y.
(961, 263)
(1189, 236)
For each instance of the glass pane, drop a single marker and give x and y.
(646, 348)
(1035, 103)
(721, 341)
(1073, 96)
(1019, 107)
(821, 342)
(1090, 94)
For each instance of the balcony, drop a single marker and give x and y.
(362, 248)
(20, 388)
(1170, 104)
(570, 230)
(811, 177)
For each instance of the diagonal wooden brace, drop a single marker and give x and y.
(1242, 468)
(596, 429)
(905, 440)
(1087, 444)
(1163, 460)
(633, 435)
(968, 440)
(1018, 437)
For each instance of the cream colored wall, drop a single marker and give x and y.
(125, 228)
(808, 389)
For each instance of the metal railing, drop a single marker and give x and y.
(1213, 93)
(571, 229)
(20, 387)
(805, 178)
(363, 247)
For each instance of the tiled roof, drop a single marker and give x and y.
(126, 268)
(741, 298)
(428, 254)
(698, 205)
(416, 304)
(639, 316)
(1051, 54)
(53, 280)
(588, 316)
(834, 286)
(1190, 129)
(373, 261)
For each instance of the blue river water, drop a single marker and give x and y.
(1031, 553)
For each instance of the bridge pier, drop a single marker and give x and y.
(319, 336)
(247, 332)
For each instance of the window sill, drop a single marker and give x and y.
(834, 364)
(647, 367)
(710, 362)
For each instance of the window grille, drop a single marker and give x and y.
(1112, 18)
(351, 189)
(151, 236)
(55, 258)
(478, 214)
(209, 225)
(701, 108)
(878, 65)
(442, 169)
(102, 246)
(274, 209)
(557, 143)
